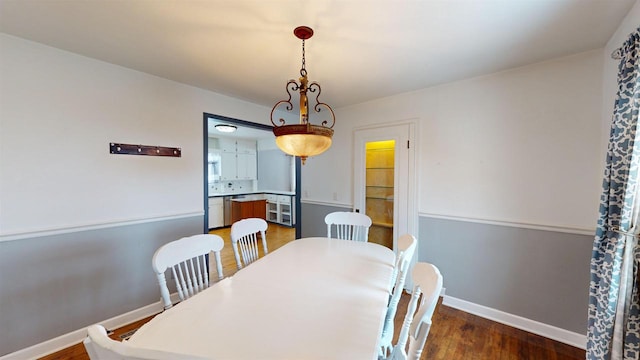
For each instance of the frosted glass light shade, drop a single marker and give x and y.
(303, 140)
(226, 128)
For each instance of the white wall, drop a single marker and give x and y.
(520, 146)
(610, 72)
(58, 113)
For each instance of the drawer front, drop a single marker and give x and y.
(271, 197)
(284, 199)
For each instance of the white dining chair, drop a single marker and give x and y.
(416, 325)
(244, 238)
(407, 245)
(187, 259)
(349, 225)
(100, 347)
(406, 248)
(386, 337)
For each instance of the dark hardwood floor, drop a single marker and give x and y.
(454, 334)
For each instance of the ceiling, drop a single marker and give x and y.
(361, 50)
(242, 131)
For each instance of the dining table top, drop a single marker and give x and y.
(313, 298)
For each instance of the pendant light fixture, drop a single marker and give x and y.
(303, 139)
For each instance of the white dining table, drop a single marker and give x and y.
(313, 298)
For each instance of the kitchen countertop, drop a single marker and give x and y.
(290, 193)
(247, 199)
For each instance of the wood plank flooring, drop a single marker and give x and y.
(277, 235)
(454, 334)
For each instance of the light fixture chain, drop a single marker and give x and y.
(303, 71)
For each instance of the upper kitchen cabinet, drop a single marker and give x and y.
(227, 145)
(247, 168)
(238, 159)
(228, 166)
(246, 146)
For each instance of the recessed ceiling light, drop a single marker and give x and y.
(226, 128)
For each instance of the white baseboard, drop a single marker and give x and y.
(74, 337)
(548, 331)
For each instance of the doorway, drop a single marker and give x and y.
(384, 181)
(255, 130)
(277, 236)
(379, 190)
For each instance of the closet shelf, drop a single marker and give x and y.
(382, 224)
(387, 198)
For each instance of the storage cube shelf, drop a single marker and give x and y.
(279, 209)
(272, 212)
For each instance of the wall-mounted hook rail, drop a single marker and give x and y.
(150, 150)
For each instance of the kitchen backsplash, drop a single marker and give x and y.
(231, 187)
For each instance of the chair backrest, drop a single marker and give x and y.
(187, 259)
(244, 238)
(388, 327)
(349, 225)
(99, 346)
(407, 244)
(416, 325)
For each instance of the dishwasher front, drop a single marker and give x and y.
(227, 211)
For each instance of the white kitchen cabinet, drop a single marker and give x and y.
(216, 212)
(280, 209)
(272, 212)
(247, 166)
(245, 146)
(228, 166)
(238, 159)
(285, 208)
(227, 145)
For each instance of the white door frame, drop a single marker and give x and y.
(405, 210)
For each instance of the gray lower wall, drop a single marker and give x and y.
(536, 274)
(52, 285)
(313, 218)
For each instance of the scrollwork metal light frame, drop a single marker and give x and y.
(303, 139)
